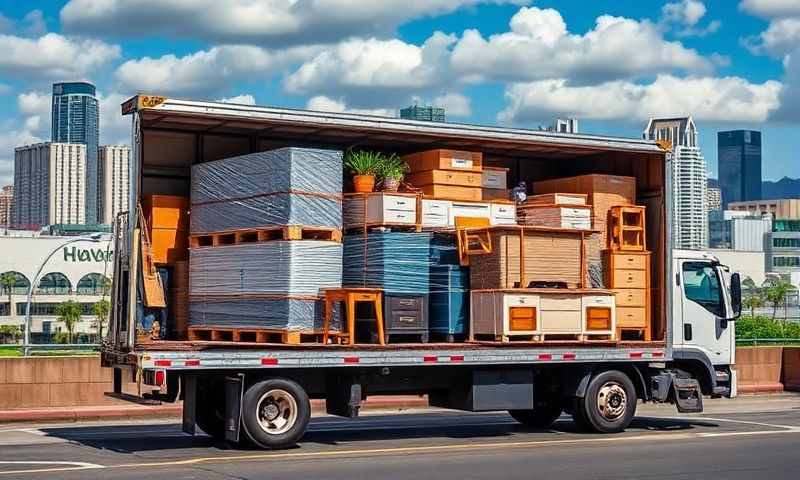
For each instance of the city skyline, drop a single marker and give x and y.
(481, 60)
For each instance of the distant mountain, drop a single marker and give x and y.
(784, 188)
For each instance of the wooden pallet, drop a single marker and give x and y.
(253, 335)
(507, 338)
(384, 227)
(267, 234)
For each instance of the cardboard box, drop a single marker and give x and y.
(449, 192)
(169, 245)
(445, 177)
(166, 211)
(444, 160)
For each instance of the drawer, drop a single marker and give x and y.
(502, 210)
(630, 262)
(560, 303)
(511, 300)
(555, 321)
(393, 202)
(400, 216)
(493, 179)
(631, 317)
(429, 220)
(522, 319)
(598, 318)
(502, 221)
(480, 210)
(576, 214)
(399, 320)
(435, 207)
(597, 301)
(445, 177)
(629, 279)
(631, 297)
(405, 303)
(453, 192)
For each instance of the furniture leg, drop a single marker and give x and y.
(326, 324)
(351, 318)
(379, 318)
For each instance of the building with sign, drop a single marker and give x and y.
(77, 271)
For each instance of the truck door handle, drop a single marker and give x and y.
(687, 331)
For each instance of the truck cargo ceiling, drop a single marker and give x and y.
(347, 129)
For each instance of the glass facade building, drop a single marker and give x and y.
(428, 114)
(739, 165)
(75, 117)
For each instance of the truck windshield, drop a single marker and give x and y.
(702, 285)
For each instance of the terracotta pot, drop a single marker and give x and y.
(391, 184)
(364, 183)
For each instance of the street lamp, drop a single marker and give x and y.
(26, 345)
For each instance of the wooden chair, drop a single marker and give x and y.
(351, 296)
(473, 237)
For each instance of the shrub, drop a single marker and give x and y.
(762, 326)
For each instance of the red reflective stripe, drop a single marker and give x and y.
(545, 356)
(192, 363)
(269, 361)
(658, 354)
(456, 358)
(162, 363)
(635, 355)
(568, 356)
(351, 359)
(429, 358)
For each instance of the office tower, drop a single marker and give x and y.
(49, 184)
(112, 163)
(6, 202)
(714, 196)
(739, 165)
(428, 114)
(689, 180)
(75, 118)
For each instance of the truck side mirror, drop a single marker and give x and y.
(736, 295)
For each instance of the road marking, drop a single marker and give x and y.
(72, 466)
(730, 420)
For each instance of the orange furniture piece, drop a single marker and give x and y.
(167, 219)
(351, 296)
(444, 160)
(629, 278)
(627, 229)
(472, 232)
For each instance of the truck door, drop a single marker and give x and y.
(704, 311)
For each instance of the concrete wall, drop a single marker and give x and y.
(55, 382)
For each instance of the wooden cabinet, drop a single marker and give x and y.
(379, 209)
(445, 177)
(628, 274)
(405, 314)
(452, 192)
(435, 212)
(444, 160)
(501, 315)
(494, 178)
(599, 314)
(627, 228)
(503, 214)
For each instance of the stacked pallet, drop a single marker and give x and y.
(446, 174)
(398, 263)
(265, 241)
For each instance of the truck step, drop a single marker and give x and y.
(253, 335)
(688, 396)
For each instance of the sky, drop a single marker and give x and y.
(731, 64)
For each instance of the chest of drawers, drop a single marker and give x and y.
(628, 275)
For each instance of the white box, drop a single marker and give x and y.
(381, 208)
(503, 214)
(493, 178)
(466, 209)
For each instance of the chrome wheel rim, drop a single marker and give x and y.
(612, 401)
(277, 411)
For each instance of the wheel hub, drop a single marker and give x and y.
(271, 411)
(277, 411)
(612, 401)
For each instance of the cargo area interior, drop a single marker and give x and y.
(171, 143)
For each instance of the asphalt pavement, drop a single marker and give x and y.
(747, 438)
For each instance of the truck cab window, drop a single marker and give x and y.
(701, 285)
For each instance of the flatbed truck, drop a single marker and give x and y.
(259, 393)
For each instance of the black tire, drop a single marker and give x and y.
(288, 401)
(608, 405)
(541, 417)
(209, 413)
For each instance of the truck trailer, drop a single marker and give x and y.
(259, 392)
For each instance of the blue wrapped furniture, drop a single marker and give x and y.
(449, 301)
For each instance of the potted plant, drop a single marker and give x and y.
(364, 166)
(392, 172)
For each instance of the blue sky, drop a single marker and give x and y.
(730, 63)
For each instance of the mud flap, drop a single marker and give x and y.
(234, 390)
(343, 398)
(189, 404)
(688, 397)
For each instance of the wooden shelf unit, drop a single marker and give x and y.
(628, 275)
(627, 228)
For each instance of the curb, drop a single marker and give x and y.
(760, 388)
(78, 414)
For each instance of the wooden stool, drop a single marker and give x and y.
(351, 296)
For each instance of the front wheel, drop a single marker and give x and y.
(275, 413)
(608, 405)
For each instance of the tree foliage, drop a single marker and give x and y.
(69, 312)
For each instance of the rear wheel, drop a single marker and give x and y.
(275, 413)
(608, 405)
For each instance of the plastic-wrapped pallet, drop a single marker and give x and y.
(397, 262)
(291, 268)
(266, 312)
(444, 250)
(288, 186)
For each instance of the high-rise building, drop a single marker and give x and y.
(49, 184)
(112, 162)
(75, 117)
(689, 177)
(739, 165)
(428, 114)
(782, 209)
(714, 196)
(6, 202)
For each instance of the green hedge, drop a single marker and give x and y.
(762, 326)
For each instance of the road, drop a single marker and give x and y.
(733, 439)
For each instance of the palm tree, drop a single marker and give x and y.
(753, 301)
(776, 292)
(69, 312)
(8, 280)
(748, 285)
(100, 310)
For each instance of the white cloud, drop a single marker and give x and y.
(539, 46)
(686, 12)
(53, 56)
(35, 108)
(771, 9)
(322, 103)
(790, 96)
(454, 104)
(206, 73)
(6, 24)
(115, 129)
(35, 25)
(244, 99)
(706, 98)
(781, 36)
(265, 22)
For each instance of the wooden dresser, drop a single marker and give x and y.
(628, 275)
